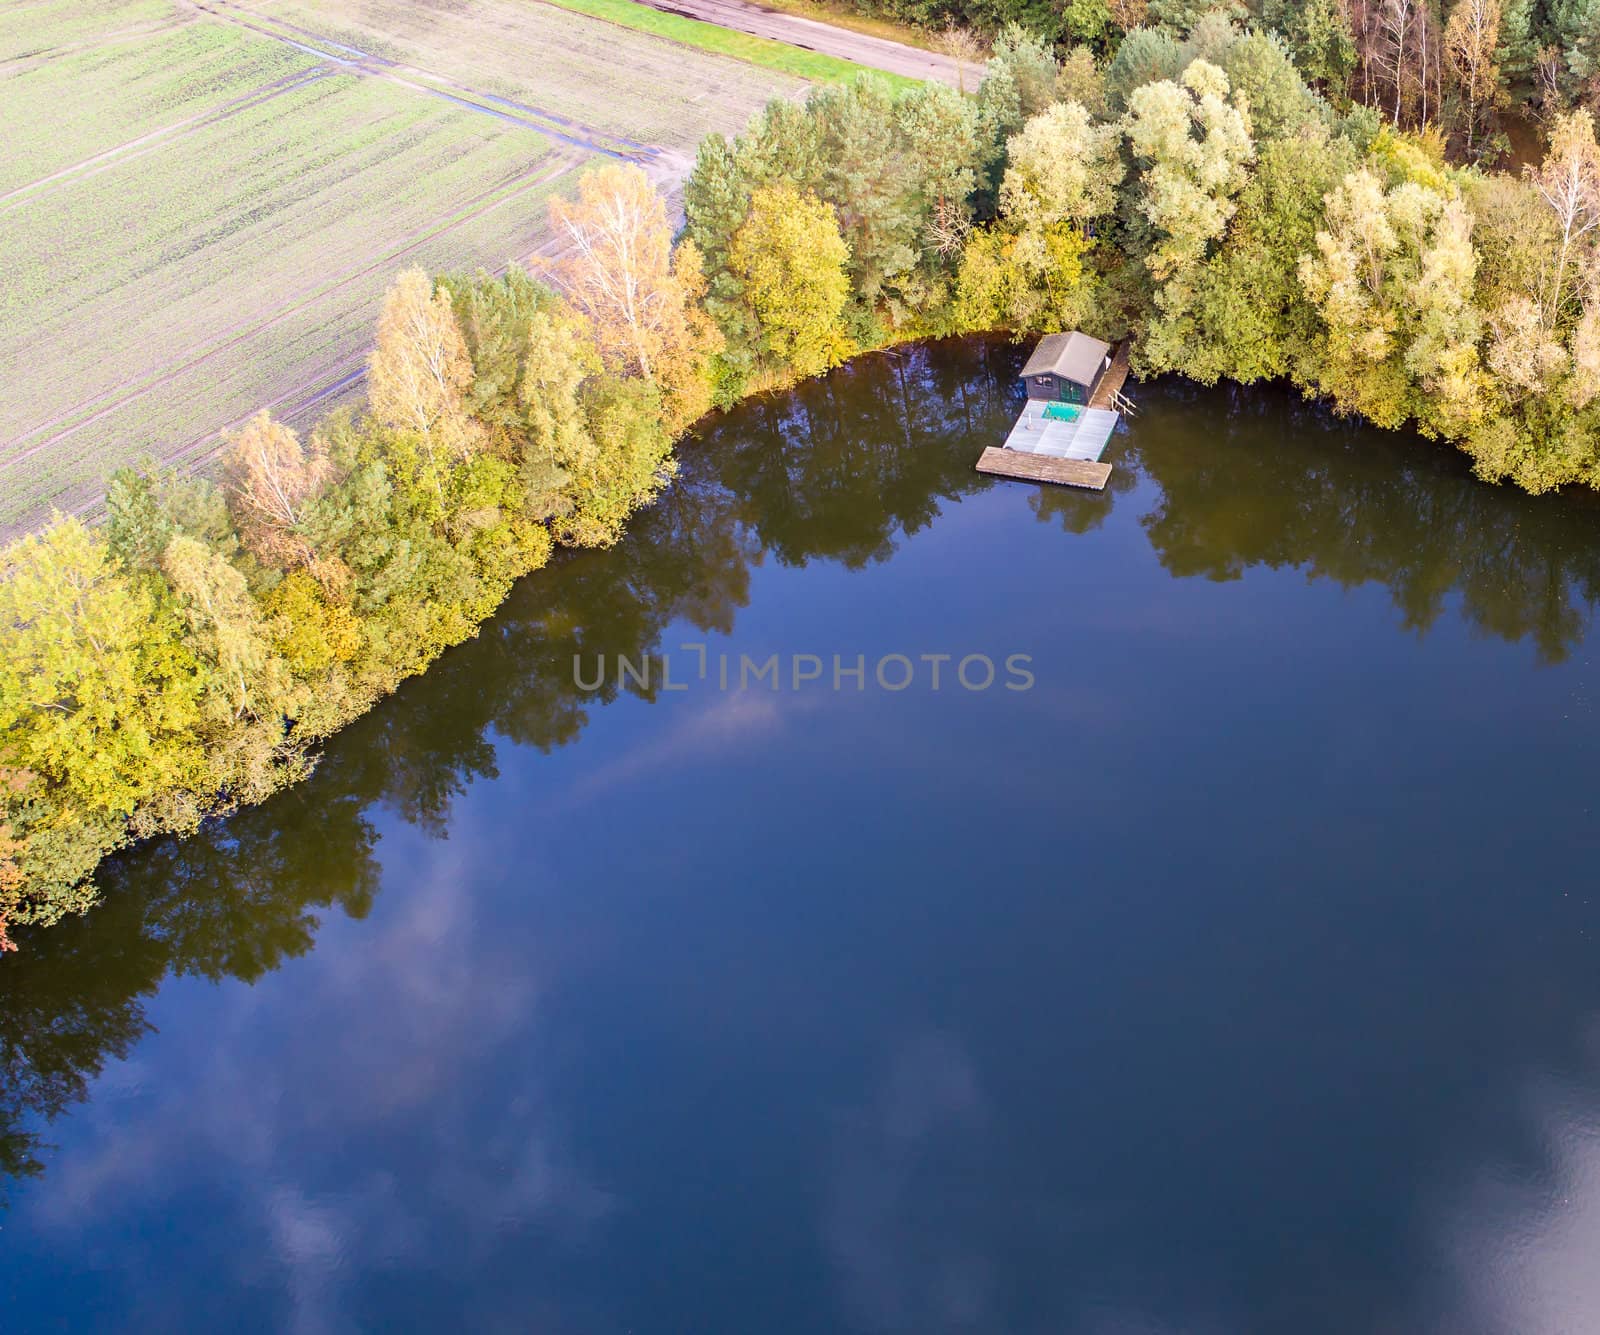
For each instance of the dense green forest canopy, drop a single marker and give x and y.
(1450, 62)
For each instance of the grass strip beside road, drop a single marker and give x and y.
(752, 50)
(840, 16)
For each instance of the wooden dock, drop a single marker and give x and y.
(1090, 473)
(1111, 383)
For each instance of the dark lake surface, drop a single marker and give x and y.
(1242, 975)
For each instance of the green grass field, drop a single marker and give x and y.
(30, 28)
(124, 91)
(813, 65)
(198, 214)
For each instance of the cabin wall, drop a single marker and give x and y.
(1056, 389)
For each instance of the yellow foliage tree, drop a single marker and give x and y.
(1393, 280)
(11, 850)
(419, 373)
(98, 694)
(1472, 41)
(790, 256)
(1568, 180)
(311, 633)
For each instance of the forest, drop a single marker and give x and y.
(1323, 196)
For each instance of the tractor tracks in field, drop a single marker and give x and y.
(155, 140)
(119, 396)
(553, 125)
(294, 406)
(333, 380)
(333, 57)
(23, 60)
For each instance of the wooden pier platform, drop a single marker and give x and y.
(1111, 383)
(1090, 473)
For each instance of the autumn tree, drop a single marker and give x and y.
(1569, 183)
(1028, 272)
(1193, 147)
(1517, 241)
(1445, 326)
(223, 627)
(791, 259)
(12, 785)
(1584, 386)
(618, 272)
(555, 437)
(1522, 354)
(1393, 280)
(686, 377)
(629, 461)
(271, 480)
(1082, 79)
(1472, 42)
(1396, 27)
(1062, 168)
(621, 273)
(300, 623)
(420, 371)
(965, 47)
(1349, 279)
(97, 690)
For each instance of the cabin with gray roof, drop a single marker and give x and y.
(1066, 368)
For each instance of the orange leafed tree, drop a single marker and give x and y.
(621, 273)
(271, 479)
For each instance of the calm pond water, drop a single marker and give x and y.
(1241, 975)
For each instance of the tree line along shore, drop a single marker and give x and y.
(1201, 185)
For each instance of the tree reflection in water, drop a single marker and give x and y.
(841, 470)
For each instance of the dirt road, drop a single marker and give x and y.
(876, 52)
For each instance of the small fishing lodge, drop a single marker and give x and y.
(1075, 400)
